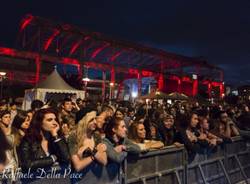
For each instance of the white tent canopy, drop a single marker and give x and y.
(52, 84)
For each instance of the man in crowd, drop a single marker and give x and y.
(66, 109)
(225, 127)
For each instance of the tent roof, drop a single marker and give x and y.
(54, 81)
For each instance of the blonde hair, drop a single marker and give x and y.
(81, 130)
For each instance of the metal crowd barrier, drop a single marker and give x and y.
(160, 166)
(229, 163)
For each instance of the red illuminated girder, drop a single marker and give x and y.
(116, 55)
(161, 82)
(186, 79)
(146, 73)
(195, 87)
(51, 38)
(209, 87)
(178, 82)
(176, 60)
(77, 44)
(25, 77)
(206, 82)
(133, 71)
(211, 84)
(221, 86)
(103, 85)
(38, 66)
(173, 77)
(99, 49)
(112, 75)
(216, 84)
(105, 67)
(222, 90)
(7, 51)
(26, 22)
(33, 55)
(139, 79)
(70, 61)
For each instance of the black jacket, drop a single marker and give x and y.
(32, 155)
(169, 136)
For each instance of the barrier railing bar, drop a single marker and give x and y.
(185, 171)
(205, 162)
(241, 168)
(236, 138)
(225, 172)
(168, 149)
(215, 177)
(148, 176)
(125, 164)
(157, 169)
(202, 174)
(240, 153)
(178, 177)
(144, 180)
(121, 173)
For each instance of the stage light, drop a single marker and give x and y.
(86, 79)
(134, 94)
(194, 76)
(2, 73)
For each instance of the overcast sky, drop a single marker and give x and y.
(218, 30)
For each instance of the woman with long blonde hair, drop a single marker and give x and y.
(86, 148)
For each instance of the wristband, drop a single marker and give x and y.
(53, 158)
(94, 152)
(92, 157)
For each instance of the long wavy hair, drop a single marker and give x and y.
(34, 131)
(82, 128)
(19, 119)
(113, 123)
(132, 133)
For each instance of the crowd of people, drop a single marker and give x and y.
(87, 136)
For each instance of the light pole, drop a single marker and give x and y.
(2, 76)
(85, 80)
(111, 85)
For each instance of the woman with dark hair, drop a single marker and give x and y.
(68, 126)
(153, 132)
(21, 123)
(118, 145)
(137, 134)
(192, 139)
(43, 145)
(212, 139)
(119, 113)
(168, 132)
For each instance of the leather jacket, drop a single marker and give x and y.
(32, 155)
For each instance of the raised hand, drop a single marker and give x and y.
(120, 148)
(54, 129)
(101, 147)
